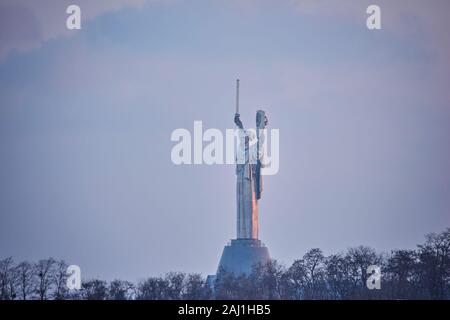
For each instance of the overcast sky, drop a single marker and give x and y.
(86, 118)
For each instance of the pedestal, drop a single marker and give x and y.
(241, 255)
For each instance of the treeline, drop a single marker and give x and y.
(423, 273)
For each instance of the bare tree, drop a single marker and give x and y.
(298, 279)
(360, 259)
(195, 288)
(26, 280)
(307, 276)
(153, 288)
(59, 279)
(400, 276)
(174, 285)
(44, 270)
(94, 290)
(339, 277)
(8, 278)
(226, 286)
(315, 267)
(266, 281)
(434, 265)
(121, 290)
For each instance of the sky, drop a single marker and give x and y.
(86, 118)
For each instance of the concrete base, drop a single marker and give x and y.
(242, 254)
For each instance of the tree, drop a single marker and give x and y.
(121, 290)
(339, 277)
(226, 286)
(266, 281)
(94, 290)
(26, 280)
(174, 285)
(360, 259)
(314, 264)
(400, 274)
(8, 278)
(298, 279)
(195, 288)
(434, 265)
(59, 279)
(307, 276)
(44, 271)
(153, 288)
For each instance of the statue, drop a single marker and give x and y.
(246, 251)
(249, 179)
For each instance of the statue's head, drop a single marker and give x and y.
(261, 119)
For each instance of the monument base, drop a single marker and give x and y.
(241, 255)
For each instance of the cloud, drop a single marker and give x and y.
(19, 29)
(27, 24)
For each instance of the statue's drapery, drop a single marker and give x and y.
(248, 185)
(247, 204)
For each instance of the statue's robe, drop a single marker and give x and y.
(248, 185)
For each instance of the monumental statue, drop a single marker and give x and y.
(242, 253)
(249, 180)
